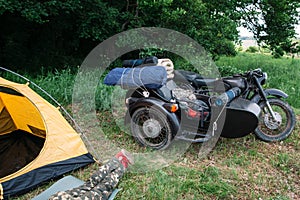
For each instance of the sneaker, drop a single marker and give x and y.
(124, 157)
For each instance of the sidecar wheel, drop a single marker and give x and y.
(270, 130)
(151, 128)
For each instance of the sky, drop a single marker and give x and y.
(244, 32)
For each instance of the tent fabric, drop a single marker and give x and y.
(51, 147)
(6, 123)
(28, 181)
(152, 77)
(12, 106)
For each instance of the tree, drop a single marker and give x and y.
(52, 33)
(272, 22)
(204, 21)
(56, 33)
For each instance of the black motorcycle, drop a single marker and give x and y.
(277, 119)
(236, 106)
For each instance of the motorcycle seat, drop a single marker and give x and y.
(199, 81)
(185, 75)
(195, 79)
(205, 82)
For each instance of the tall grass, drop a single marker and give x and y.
(283, 74)
(60, 85)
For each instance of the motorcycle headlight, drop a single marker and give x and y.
(265, 77)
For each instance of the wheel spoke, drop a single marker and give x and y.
(271, 127)
(151, 128)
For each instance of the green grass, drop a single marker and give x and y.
(244, 168)
(283, 74)
(177, 182)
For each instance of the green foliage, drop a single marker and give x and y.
(58, 84)
(197, 19)
(227, 48)
(252, 49)
(58, 34)
(53, 34)
(265, 49)
(103, 96)
(272, 22)
(228, 70)
(277, 52)
(240, 48)
(158, 52)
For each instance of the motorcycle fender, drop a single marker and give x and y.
(157, 104)
(270, 92)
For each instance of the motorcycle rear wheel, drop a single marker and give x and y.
(151, 128)
(270, 130)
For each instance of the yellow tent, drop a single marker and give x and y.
(36, 142)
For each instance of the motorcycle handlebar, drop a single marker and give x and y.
(256, 72)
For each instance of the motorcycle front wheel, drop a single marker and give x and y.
(151, 128)
(278, 129)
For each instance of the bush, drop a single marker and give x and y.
(278, 52)
(252, 49)
(226, 48)
(240, 48)
(266, 50)
(228, 70)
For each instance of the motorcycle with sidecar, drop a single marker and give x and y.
(236, 106)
